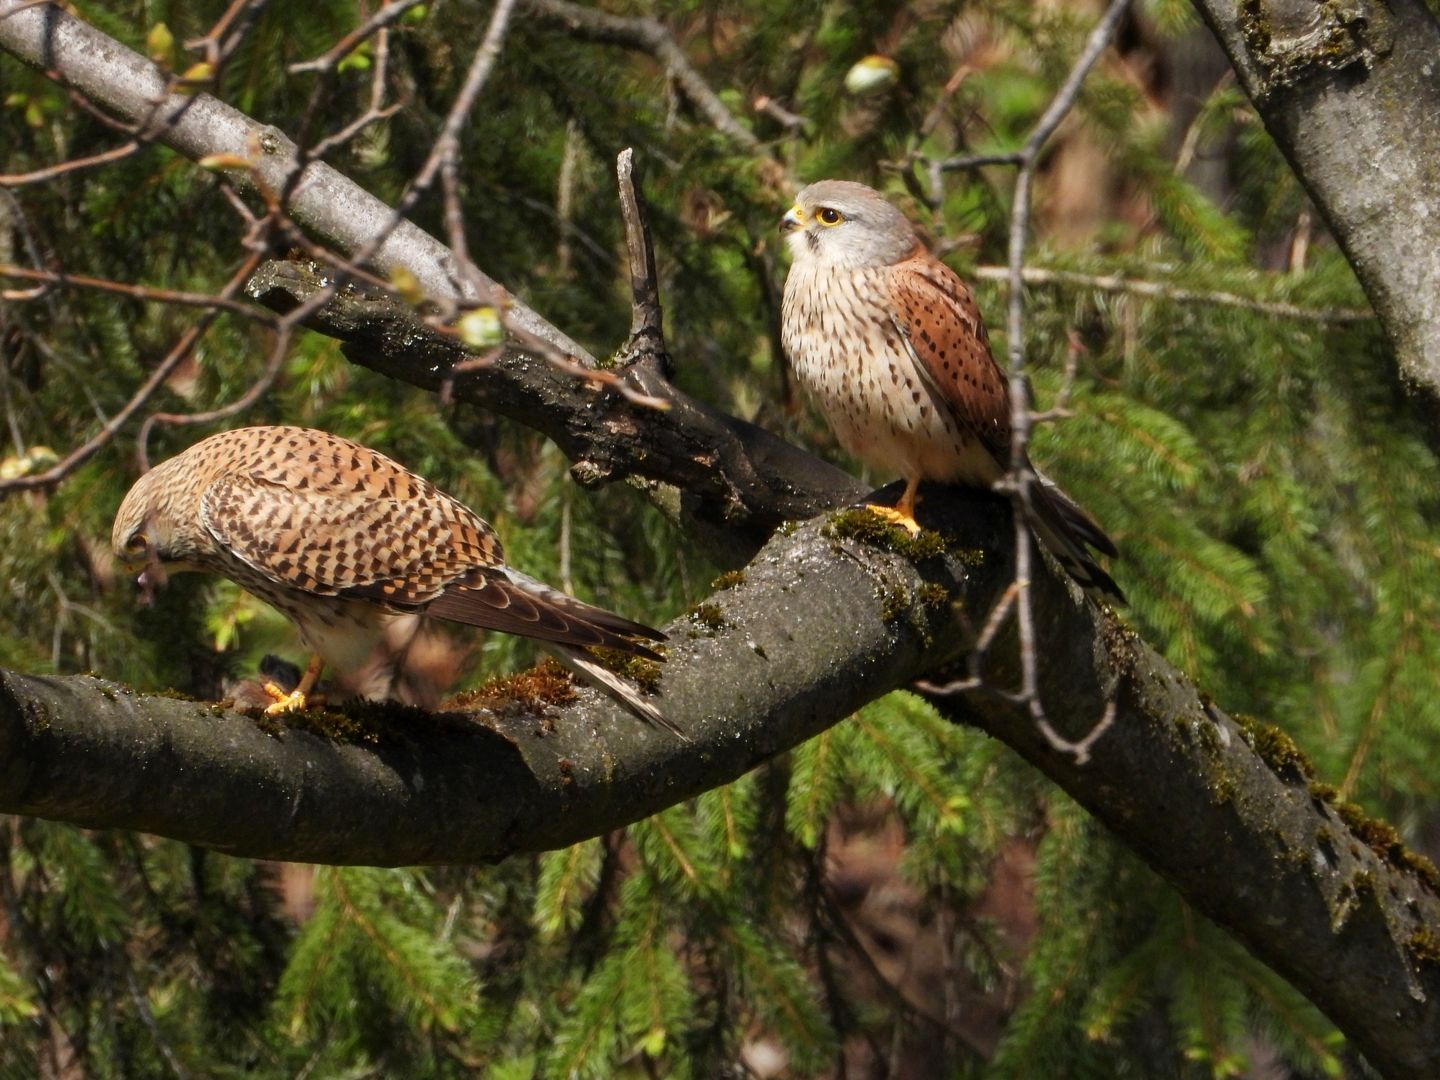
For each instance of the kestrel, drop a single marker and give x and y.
(344, 542)
(889, 343)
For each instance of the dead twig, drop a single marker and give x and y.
(181, 349)
(1160, 290)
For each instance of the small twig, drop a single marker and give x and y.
(565, 195)
(1022, 474)
(446, 394)
(1079, 749)
(1060, 407)
(1159, 290)
(60, 279)
(570, 366)
(40, 176)
(273, 366)
(181, 349)
(1191, 142)
(975, 161)
(793, 122)
(942, 101)
(978, 651)
(226, 34)
(375, 111)
(142, 1008)
(330, 59)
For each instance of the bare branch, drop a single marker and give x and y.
(51, 172)
(1021, 474)
(1159, 290)
(261, 386)
(149, 293)
(181, 349)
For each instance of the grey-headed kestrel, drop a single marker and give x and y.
(343, 541)
(889, 343)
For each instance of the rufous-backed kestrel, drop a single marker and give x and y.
(889, 343)
(343, 540)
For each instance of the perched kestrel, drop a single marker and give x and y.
(344, 542)
(889, 343)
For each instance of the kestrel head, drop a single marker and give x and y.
(844, 224)
(149, 532)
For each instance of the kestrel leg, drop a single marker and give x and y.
(296, 699)
(903, 512)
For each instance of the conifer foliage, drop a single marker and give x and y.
(898, 896)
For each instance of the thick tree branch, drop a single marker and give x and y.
(1349, 94)
(820, 626)
(768, 672)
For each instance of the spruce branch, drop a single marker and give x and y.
(651, 36)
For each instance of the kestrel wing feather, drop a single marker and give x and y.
(313, 536)
(940, 322)
(509, 601)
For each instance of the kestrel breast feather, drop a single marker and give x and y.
(343, 540)
(889, 343)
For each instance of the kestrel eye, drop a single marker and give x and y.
(828, 215)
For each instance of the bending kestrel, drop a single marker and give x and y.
(344, 541)
(889, 343)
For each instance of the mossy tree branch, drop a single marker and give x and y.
(820, 625)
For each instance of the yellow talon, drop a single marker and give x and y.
(291, 702)
(896, 516)
(296, 699)
(903, 512)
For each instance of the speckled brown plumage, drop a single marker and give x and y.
(341, 539)
(889, 343)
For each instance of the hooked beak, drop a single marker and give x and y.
(794, 219)
(153, 578)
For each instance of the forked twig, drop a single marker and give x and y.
(1018, 482)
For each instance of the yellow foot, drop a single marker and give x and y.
(896, 516)
(294, 701)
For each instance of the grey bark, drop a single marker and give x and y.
(457, 787)
(1351, 94)
(198, 126)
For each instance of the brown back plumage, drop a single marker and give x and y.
(333, 518)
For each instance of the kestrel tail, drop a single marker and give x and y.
(344, 541)
(889, 343)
